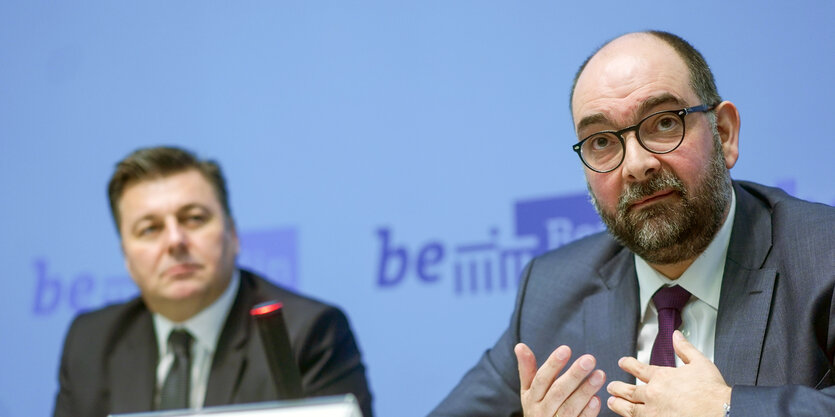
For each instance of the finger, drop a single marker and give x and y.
(592, 408)
(527, 365)
(548, 372)
(568, 382)
(581, 397)
(635, 368)
(684, 349)
(622, 407)
(622, 390)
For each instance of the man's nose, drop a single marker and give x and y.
(176, 236)
(638, 163)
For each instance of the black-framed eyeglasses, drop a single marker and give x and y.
(659, 133)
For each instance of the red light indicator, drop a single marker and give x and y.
(265, 308)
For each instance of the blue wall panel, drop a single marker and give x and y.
(399, 159)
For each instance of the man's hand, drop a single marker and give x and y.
(694, 389)
(570, 395)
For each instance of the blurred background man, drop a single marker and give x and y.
(188, 340)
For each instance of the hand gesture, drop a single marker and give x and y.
(694, 389)
(570, 395)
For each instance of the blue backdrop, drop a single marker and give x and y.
(399, 159)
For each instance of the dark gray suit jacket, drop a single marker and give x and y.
(110, 355)
(775, 332)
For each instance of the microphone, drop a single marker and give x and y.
(269, 319)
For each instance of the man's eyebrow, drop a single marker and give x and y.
(192, 206)
(150, 217)
(590, 120)
(652, 102)
(646, 106)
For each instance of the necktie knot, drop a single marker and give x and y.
(673, 297)
(179, 341)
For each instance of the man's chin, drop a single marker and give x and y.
(183, 290)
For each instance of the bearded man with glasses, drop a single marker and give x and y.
(707, 296)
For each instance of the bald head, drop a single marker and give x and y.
(700, 77)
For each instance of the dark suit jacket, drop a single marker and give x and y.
(775, 332)
(110, 355)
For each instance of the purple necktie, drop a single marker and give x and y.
(668, 301)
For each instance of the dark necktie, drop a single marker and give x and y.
(668, 301)
(175, 390)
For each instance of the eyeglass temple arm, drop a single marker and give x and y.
(701, 108)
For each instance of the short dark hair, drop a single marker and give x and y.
(159, 162)
(701, 78)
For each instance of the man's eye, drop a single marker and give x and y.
(667, 123)
(601, 142)
(149, 230)
(195, 220)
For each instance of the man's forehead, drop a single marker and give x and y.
(630, 68)
(170, 191)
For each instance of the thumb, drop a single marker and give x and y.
(527, 365)
(684, 349)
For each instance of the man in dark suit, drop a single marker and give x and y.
(707, 297)
(188, 340)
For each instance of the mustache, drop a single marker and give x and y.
(664, 180)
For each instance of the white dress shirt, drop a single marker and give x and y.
(205, 328)
(703, 279)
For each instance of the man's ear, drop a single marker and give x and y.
(727, 123)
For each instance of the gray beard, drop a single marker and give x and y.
(672, 232)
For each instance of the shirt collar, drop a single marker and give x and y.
(703, 278)
(206, 325)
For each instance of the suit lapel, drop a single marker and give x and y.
(611, 316)
(132, 367)
(747, 288)
(744, 306)
(230, 359)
